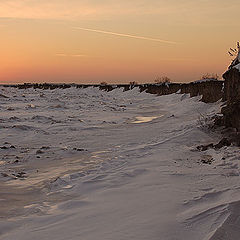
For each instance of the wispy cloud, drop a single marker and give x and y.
(175, 12)
(61, 55)
(70, 9)
(78, 55)
(125, 35)
(70, 55)
(44, 9)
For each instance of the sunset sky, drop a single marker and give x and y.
(89, 41)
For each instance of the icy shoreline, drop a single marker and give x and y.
(99, 175)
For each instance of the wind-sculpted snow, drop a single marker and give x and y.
(87, 164)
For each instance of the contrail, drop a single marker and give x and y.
(125, 35)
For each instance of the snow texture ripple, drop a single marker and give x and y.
(87, 164)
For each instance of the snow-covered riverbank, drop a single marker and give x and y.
(87, 164)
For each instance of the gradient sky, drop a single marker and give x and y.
(89, 41)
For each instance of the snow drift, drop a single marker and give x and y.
(87, 164)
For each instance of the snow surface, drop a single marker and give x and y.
(113, 165)
(237, 66)
(205, 80)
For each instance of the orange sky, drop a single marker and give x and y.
(89, 41)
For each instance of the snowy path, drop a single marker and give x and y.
(137, 180)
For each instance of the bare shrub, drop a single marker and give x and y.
(233, 52)
(210, 76)
(205, 122)
(103, 83)
(164, 79)
(133, 83)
